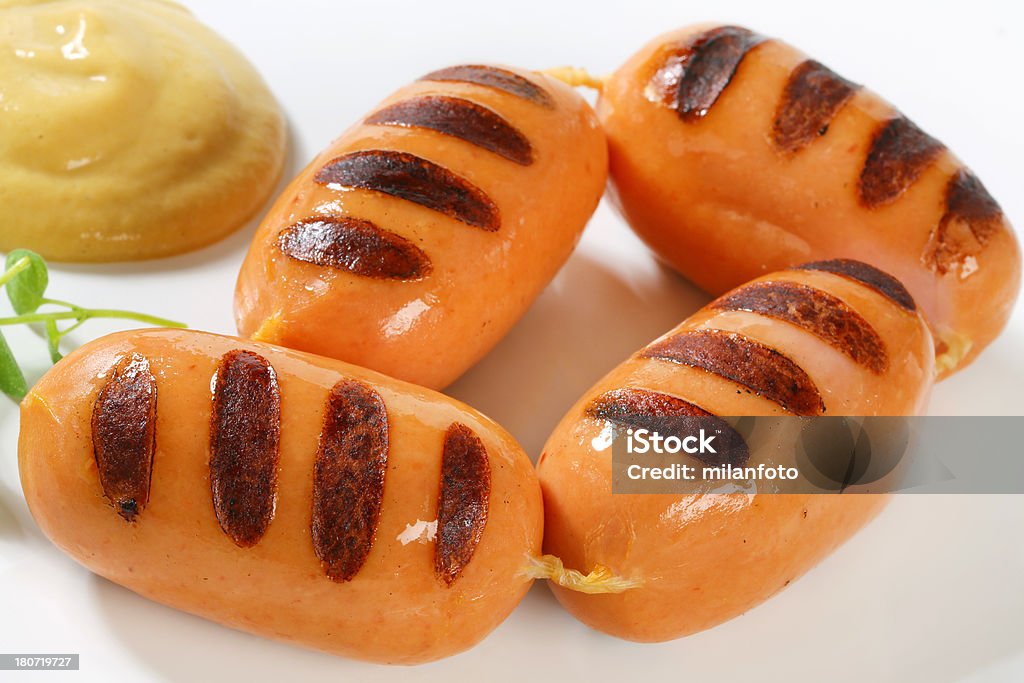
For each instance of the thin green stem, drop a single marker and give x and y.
(18, 266)
(38, 317)
(53, 340)
(84, 314)
(129, 315)
(71, 328)
(58, 302)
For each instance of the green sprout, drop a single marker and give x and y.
(25, 280)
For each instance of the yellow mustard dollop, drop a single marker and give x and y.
(128, 130)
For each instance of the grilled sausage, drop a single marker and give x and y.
(283, 494)
(414, 242)
(835, 338)
(733, 155)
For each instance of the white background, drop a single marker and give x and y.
(931, 591)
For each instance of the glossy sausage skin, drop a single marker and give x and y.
(287, 495)
(704, 558)
(415, 240)
(733, 154)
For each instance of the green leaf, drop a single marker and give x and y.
(12, 381)
(25, 290)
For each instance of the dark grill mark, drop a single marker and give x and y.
(825, 316)
(354, 245)
(759, 368)
(462, 119)
(415, 179)
(669, 415)
(881, 282)
(244, 445)
(124, 435)
(462, 503)
(813, 96)
(697, 73)
(348, 483)
(900, 152)
(495, 78)
(971, 217)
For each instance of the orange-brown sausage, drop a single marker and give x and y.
(833, 339)
(280, 493)
(414, 242)
(733, 155)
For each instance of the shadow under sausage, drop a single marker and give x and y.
(588, 320)
(10, 526)
(992, 381)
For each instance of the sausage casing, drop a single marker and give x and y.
(283, 494)
(733, 155)
(416, 239)
(832, 339)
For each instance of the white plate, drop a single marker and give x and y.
(931, 591)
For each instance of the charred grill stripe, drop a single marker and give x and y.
(696, 74)
(813, 96)
(354, 245)
(462, 119)
(900, 152)
(124, 435)
(462, 503)
(970, 219)
(494, 78)
(245, 431)
(630, 407)
(825, 316)
(872, 277)
(714, 58)
(761, 369)
(414, 179)
(668, 415)
(348, 481)
(968, 200)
